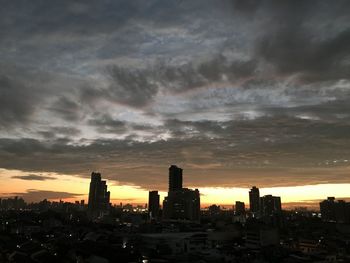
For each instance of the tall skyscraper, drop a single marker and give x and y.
(181, 203)
(153, 204)
(175, 178)
(254, 200)
(99, 197)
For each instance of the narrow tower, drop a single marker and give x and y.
(254, 200)
(175, 178)
(99, 197)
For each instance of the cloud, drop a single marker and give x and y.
(15, 107)
(53, 131)
(132, 87)
(106, 124)
(34, 195)
(297, 42)
(34, 177)
(235, 92)
(139, 87)
(67, 109)
(296, 53)
(269, 151)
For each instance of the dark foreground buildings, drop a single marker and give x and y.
(63, 232)
(265, 206)
(181, 203)
(99, 197)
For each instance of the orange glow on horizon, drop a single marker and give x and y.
(78, 187)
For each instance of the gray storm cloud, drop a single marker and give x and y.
(237, 92)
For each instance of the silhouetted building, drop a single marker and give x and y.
(15, 203)
(270, 205)
(99, 197)
(342, 211)
(332, 210)
(327, 208)
(175, 178)
(214, 210)
(254, 200)
(153, 204)
(181, 203)
(240, 208)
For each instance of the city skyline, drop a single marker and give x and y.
(237, 93)
(175, 182)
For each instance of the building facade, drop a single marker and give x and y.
(254, 200)
(99, 197)
(153, 204)
(270, 205)
(335, 210)
(181, 203)
(175, 178)
(239, 208)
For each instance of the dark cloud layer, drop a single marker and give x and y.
(214, 153)
(132, 87)
(14, 104)
(34, 177)
(34, 195)
(66, 108)
(139, 87)
(236, 92)
(106, 124)
(296, 52)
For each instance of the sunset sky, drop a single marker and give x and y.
(237, 93)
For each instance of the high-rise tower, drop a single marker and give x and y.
(153, 204)
(175, 178)
(181, 203)
(254, 200)
(99, 197)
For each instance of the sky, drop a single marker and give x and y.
(237, 93)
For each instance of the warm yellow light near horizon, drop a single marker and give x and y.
(9, 186)
(291, 194)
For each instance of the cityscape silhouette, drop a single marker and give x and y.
(174, 131)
